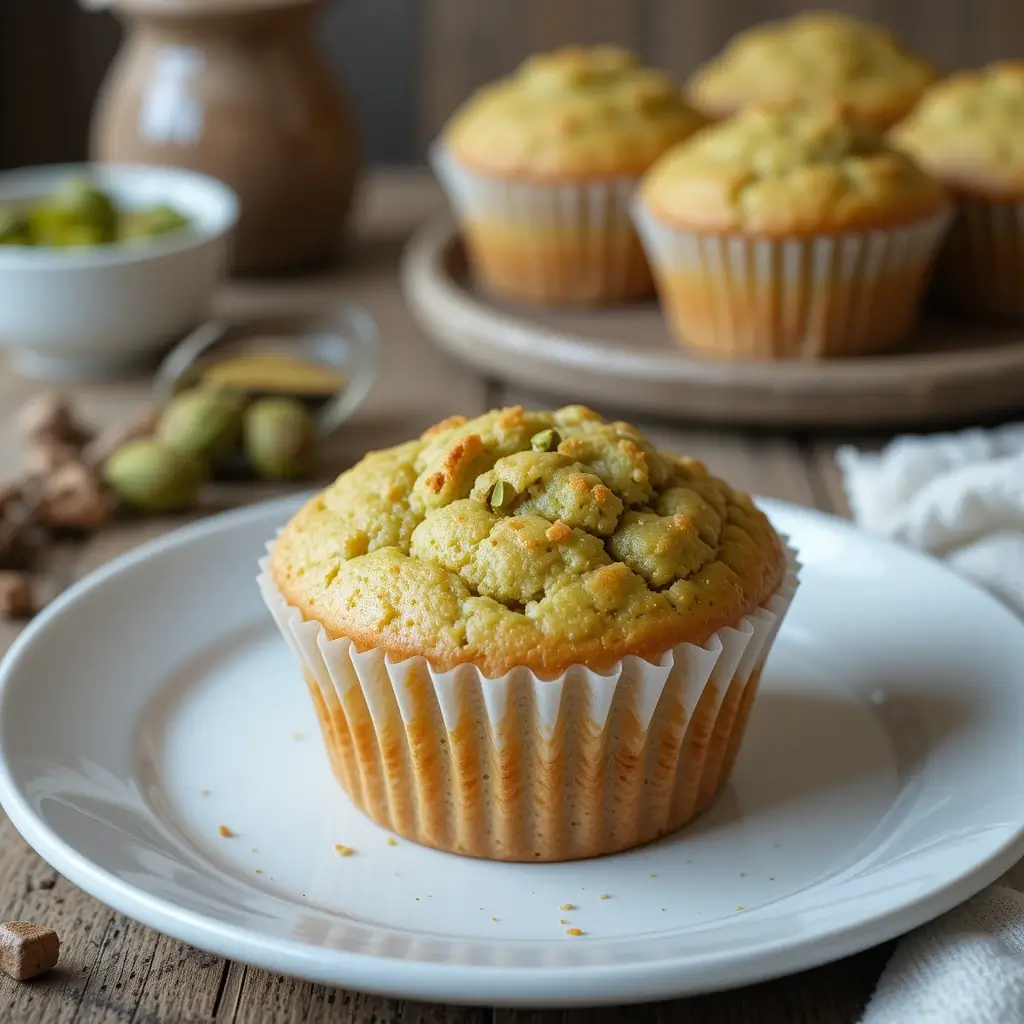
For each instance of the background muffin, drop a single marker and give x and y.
(969, 132)
(490, 616)
(812, 56)
(790, 231)
(539, 168)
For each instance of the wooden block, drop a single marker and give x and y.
(27, 950)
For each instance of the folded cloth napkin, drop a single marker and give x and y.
(959, 497)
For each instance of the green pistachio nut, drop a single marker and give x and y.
(91, 210)
(546, 441)
(14, 227)
(141, 225)
(502, 495)
(204, 422)
(152, 476)
(280, 438)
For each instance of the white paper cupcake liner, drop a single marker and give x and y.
(528, 769)
(981, 266)
(571, 242)
(777, 298)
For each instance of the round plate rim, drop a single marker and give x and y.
(496, 340)
(453, 983)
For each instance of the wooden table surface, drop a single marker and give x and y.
(115, 971)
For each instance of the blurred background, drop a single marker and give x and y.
(407, 63)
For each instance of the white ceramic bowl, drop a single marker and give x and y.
(96, 311)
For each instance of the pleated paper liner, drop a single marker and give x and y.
(567, 243)
(519, 768)
(732, 296)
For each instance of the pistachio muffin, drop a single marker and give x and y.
(539, 168)
(790, 231)
(969, 133)
(530, 636)
(812, 56)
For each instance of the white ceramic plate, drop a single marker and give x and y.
(880, 785)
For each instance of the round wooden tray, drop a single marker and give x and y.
(624, 357)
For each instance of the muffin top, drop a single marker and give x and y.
(969, 131)
(816, 55)
(543, 539)
(575, 113)
(789, 169)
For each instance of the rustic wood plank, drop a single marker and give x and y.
(111, 969)
(464, 44)
(826, 478)
(410, 63)
(263, 997)
(682, 36)
(573, 22)
(834, 994)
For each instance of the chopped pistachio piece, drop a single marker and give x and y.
(502, 495)
(545, 441)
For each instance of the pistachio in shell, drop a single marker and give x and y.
(150, 475)
(203, 422)
(280, 438)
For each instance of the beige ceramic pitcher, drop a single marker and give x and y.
(237, 89)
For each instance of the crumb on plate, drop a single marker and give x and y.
(225, 832)
(343, 851)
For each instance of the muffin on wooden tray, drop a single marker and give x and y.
(539, 168)
(816, 55)
(968, 131)
(790, 231)
(530, 636)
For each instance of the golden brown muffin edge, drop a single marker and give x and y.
(968, 131)
(814, 55)
(789, 169)
(537, 539)
(574, 114)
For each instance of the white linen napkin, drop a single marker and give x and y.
(959, 497)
